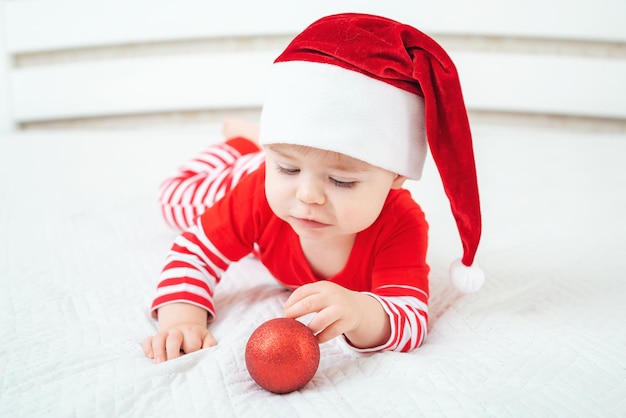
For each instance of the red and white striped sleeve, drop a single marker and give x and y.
(194, 266)
(205, 179)
(408, 314)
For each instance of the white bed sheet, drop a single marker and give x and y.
(81, 246)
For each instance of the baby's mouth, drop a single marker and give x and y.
(308, 223)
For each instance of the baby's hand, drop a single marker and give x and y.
(338, 309)
(185, 338)
(358, 316)
(182, 327)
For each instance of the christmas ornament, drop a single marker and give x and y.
(282, 355)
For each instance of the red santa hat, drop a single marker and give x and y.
(382, 92)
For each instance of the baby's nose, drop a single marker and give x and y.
(310, 191)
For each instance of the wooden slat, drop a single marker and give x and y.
(492, 81)
(552, 84)
(140, 85)
(41, 25)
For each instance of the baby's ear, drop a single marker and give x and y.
(398, 181)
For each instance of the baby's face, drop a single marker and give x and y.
(323, 194)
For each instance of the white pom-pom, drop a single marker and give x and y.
(466, 279)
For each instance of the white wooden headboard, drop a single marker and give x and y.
(73, 62)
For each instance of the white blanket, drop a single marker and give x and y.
(82, 244)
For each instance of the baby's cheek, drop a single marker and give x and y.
(272, 193)
(280, 200)
(360, 214)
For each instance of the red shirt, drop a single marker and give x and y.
(388, 260)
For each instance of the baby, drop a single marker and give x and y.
(349, 106)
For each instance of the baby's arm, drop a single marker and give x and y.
(182, 326)
(197, 260)
(370, 322)
(184, 297)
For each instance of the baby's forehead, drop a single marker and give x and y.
(335, 159)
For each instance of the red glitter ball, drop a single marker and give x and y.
(282, 355)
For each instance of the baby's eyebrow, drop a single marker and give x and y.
(352, 166)
(348, 168)
(278, 151)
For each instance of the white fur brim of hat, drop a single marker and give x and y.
(331, 108)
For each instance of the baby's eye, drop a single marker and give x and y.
(346, 184)
(287, 170)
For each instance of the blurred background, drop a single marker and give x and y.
(141, 64)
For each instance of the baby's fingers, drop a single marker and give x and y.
(190, 342)
(195, 341)
(147, 347)
(328, 333)
(305, 300)
(154, 347)
(209, 341)
(309, 304)
(173, 344)
(327, 324)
